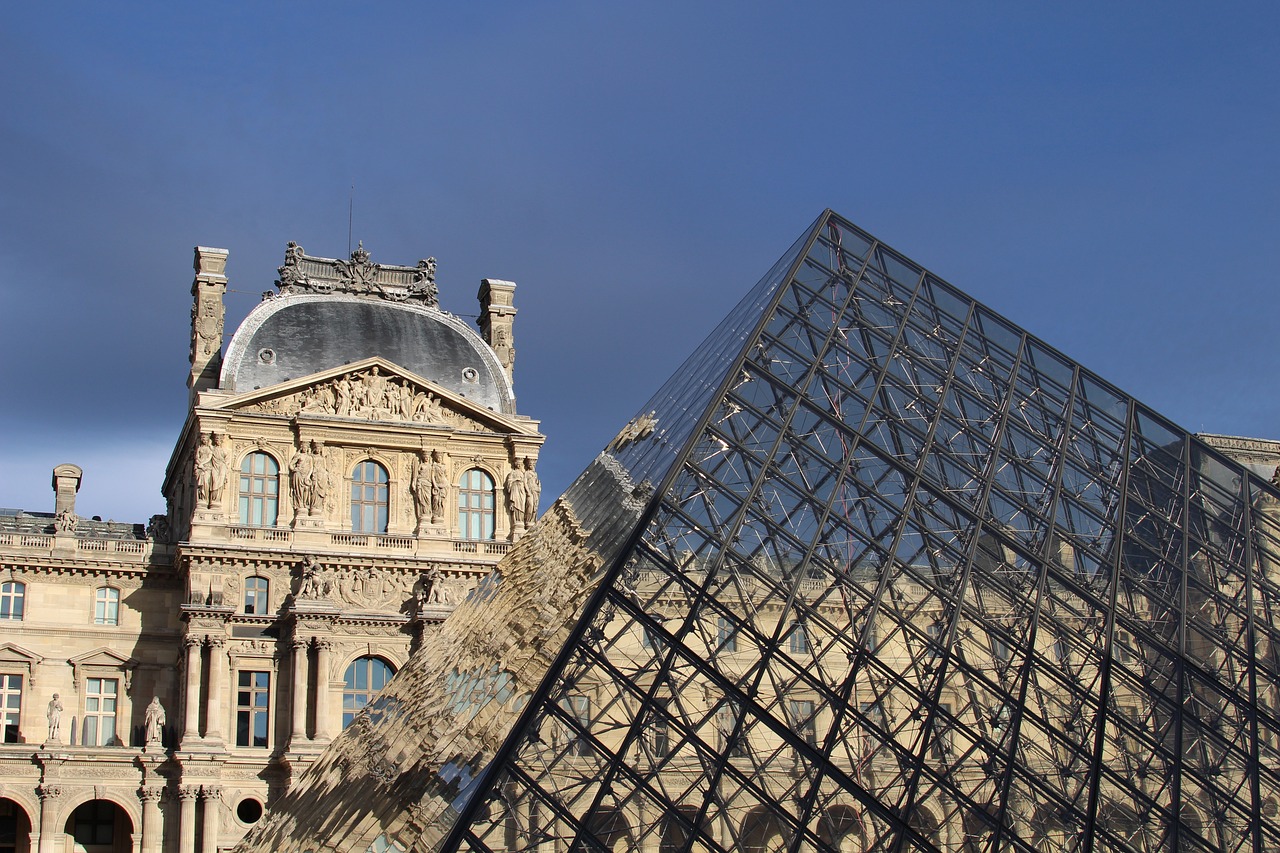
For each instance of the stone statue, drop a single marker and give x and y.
(532, 492)
(420, 488)
(54, 716)
(219, 467)
(319, 491)
(517, 495)
(437, 592)
(204, 470)
(300, 479)
(314, 585)
(65, 521)
(439, 486)
(153, 721)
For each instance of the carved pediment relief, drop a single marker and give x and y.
(373, 390)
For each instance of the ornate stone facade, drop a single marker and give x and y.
(318, 528)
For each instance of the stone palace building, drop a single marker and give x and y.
(347, 472)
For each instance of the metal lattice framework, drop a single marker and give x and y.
(913, 580)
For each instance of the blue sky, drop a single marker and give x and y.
(1103, 174)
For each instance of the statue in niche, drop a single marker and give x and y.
(219, 467)
(300, 466)
(203, 470)
(153, 721)
(439, 486)
(532, 492)
(319, 491)
(420, 488)
(517, 495)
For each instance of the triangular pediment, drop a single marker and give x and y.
(374, 390)
(13, 654)
(103, 657)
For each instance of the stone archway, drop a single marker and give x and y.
(98, 826)
(15, 827)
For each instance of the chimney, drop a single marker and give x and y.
(497, 316)
(206, 319)
(66, 482)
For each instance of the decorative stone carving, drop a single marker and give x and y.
(153, 721)
(48, 792)
(65, 521)
(532, 492)
(429, 488)
(516, 492)
(53, 714)
(150, 793)
(302, 273)
(369, 395)
(209, 470)
(188, 792)
(366, 589)
(158, 528)
(309, 479)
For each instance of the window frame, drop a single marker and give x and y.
(262, 597)
(367, 692)
(13, 598)
(106, 608)
(247, 501)
(257, 709)
(11, 717)
(100, 714)
(370, 499)
(477, 506)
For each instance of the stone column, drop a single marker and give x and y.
(191, 700)
(187, 818)
(323, 649)
(152, 823)
(298, 731)
(49, 795)
(212, 797)
(217, 688)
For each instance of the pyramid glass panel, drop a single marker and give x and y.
(875, 570)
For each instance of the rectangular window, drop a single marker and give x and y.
(579, 708)
(12, 596)
(727, 719)
(1000, 649)
(803, 718)
(100, 695)
(10, 706)
(874, 716)
(935, 639)
(661, 728)
(942, 731)
(106, 606)
(255, 596)
(798, 639)
(726, 635)
(253, 709)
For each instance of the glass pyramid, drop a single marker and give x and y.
(876, 570)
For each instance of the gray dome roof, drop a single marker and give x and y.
(299, 334)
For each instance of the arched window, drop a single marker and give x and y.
(256, 599)
(364, 678)
(259, 490)
(106, 606)
(475, 505)
(369, 498)
(12, 595)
